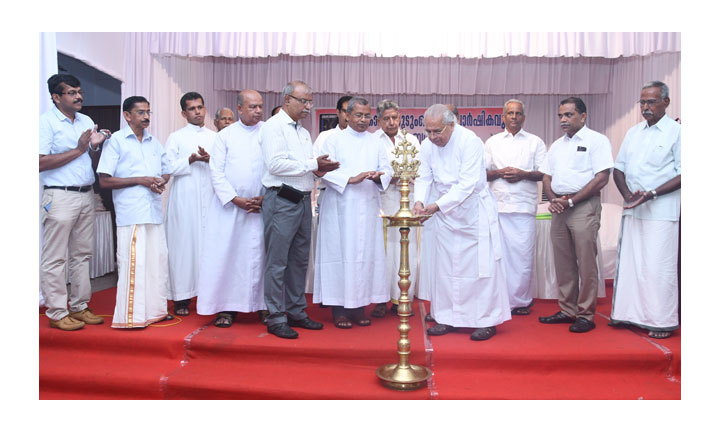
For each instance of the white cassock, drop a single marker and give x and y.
(187, 207)
(233, 259)
(646, 282)
(350, 255)
(390, 203)
(425, 282)
(469, 287)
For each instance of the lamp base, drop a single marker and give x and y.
(412, 377)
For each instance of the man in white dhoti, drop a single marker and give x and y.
(134, 165)
(350, 256)
(647, 174)
(233, 257)
(388, 113)
(513, 160)
(224, 117)
(188, 201)
(468, 287)
(69, 148)
(577, 167)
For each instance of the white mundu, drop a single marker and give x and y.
(390, 203)
(233, 258)
(517, 207)
(188, 202)
(646, 282)
(469, 286)
(350, 256)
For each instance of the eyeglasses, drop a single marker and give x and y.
(435, 132)
(361, 115)
(143, 112)
(73, 93)
(648, 102)
(303, 101)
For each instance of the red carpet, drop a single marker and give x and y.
(192, 359)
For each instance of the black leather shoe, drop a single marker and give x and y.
(558, 318)
(440, 329)
(582, 325)
(282, 330)
(483, 333)
(305, 323)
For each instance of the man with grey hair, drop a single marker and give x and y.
(513, 160)
(350, 257)
(388, 113)
(224, 117)
(647, 174)
(288, 177)
(469, 276)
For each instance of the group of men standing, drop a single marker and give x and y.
(238, 227)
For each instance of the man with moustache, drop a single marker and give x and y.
(289, 170)
(342, 115)
(576, 169)
(188, 200)
(513, 160)
(468, 286)
(231, 266)
(388, 113)
(69, 148)
(350, 257)
(135, 166)
(647, 174)
(224, 117)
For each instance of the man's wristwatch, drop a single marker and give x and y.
(654, 193)
(570, 203)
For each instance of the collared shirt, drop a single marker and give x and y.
(58, 135)
(321, 138)
(574, 162)
(524, 151)
(650, 156)
(287, 153)
(123, 156)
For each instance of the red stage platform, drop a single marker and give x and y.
(189, 358)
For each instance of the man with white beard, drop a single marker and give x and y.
(513, 160)
(233, 258)
(188, 201)
(388, 113)
(469, 277)
(350, 267)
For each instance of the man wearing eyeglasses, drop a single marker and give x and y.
(289, 170)
(468, 287)
(135, 166)
(69, 148)
(647, 174)
(577, 167)
(350, 257)
(389, 134)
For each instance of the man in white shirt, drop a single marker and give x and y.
(388, 113)
(469, 277)
(342, 115)
(647, 174)
(134, 165)
(188, 200)
(289, 170)
(350, 266)
(224, 117)
(233, 255)
(69, 149)
(577, 167)
(513, 160)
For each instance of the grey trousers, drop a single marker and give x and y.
(287, 248)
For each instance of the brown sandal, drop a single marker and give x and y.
(342, 322)
(379, 310)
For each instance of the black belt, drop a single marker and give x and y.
(277, 188)
(71, 188)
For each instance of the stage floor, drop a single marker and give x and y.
(189, 358)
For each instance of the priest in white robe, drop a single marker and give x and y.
(389, 134)
(188, 201)
(350, 255)
(647, 174)
(469, 288)
(233, 253)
